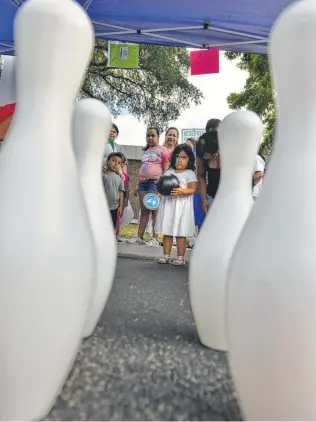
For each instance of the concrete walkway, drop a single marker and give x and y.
(144, 252)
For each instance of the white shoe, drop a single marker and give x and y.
(152, 242)
(136, 239)
(191, 242)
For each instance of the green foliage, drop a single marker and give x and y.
(258, 94)
(157, 92)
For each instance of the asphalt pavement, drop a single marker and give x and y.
(145, 361)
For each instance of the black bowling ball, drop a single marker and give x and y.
(166, 183)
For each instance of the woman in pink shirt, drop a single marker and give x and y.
(171, 139)
(153, 164)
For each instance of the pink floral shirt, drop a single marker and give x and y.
(153, 162)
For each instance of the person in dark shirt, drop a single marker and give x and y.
(212, 125)
(208, 164)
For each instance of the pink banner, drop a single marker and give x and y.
(204, 62)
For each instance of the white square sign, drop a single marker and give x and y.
(191, 133)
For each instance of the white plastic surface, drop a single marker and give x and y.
(272, 282)
(46, 249)
(239, 140)
(91, 128)
(128, 215)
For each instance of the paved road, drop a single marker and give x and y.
(145, 361)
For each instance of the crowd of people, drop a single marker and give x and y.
(180, 216)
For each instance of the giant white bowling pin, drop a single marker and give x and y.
(239, 140)
(46, 248)
(91, 129)
(272, 281)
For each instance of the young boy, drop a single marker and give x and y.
(113, 186)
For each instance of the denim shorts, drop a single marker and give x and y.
(147, 185)
(209, 198)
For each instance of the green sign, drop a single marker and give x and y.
(123, 55)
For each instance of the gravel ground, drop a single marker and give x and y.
(145, 361)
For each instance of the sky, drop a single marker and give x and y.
(215, 88)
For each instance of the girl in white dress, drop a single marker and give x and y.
(176, 213)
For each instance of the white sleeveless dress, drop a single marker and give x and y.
(176, 213)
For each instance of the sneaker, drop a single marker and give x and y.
(118, 238)
(191, 242)
(136, 239)
(152, 242)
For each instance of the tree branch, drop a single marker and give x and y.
(109, 83)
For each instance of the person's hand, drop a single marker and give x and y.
(177, 192)
(120, 211)
(205, 205)
(213, 160)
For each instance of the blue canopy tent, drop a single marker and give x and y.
(236, 25)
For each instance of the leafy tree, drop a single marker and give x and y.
(258, 94)
(157, 92)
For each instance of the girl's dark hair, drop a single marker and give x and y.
(212, 124)
(208, 142)
(151, 128)
(185, 148)
(115, 154)
(116, 128)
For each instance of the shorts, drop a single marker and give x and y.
(199, 215)
(114, 216)
(147, 185)
(209, 198)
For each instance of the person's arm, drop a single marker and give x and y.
(127, 193)
(200, 172)
(104, 166)
(120, 211)
(190, 190)
(121, 198)
(166, 166)
(258, 171)
(258, 175)
(166, 160)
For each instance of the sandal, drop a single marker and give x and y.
(179, 261)
(164, 259)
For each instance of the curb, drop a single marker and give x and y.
(145, 252)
